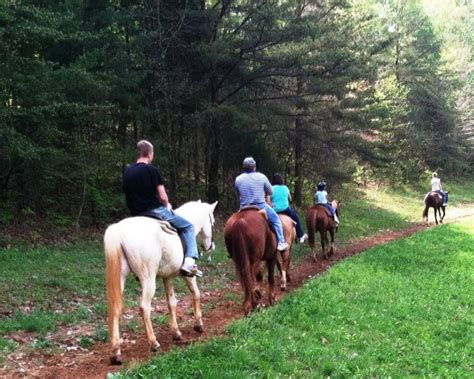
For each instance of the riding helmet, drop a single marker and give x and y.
(321, 185)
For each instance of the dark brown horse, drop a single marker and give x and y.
(317, 220)
(249, 241)
(433, 200)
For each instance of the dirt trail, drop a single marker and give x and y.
(93, 362)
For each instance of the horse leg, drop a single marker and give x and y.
(436, 216)
(323, 243)
(192, 285)
(271, 280)
(332, 250)
(312, 245)
(257, 291)
(441, 216)
(171, 300)
(148, 291)
(285, 263)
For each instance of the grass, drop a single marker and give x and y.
(404, 309)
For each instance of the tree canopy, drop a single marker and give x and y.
(341, 90)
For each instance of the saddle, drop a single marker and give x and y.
(327, 210)
(164, 225)
(254, 208)
(433, 192)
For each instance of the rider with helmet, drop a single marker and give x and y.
(320, 197)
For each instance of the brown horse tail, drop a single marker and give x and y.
(240, 254)
(113, 253)
(311, 225)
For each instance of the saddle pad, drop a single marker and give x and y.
(327, 210)
(254, 208)
(429, 193)
(164, 225)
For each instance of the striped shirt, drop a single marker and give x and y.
(252, 188)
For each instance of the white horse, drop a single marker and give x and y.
(140, 245)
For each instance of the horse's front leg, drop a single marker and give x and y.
(148, 291)
(285, 257)
(333, 249)
(442, 216)
(271, 280)
(435, 216)
(171, 299)
(193, 288)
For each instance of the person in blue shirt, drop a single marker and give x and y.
(253, 189)
(280, 199)
(320, 197)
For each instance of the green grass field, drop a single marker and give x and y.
(404, 309)
(45, 288)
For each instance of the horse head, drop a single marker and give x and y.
(201, 215)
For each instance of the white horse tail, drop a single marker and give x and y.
(113, 253)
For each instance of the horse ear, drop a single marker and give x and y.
(213, 206)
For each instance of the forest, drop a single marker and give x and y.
(350, 91)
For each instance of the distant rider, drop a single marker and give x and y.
(436, 187)
(320, 197)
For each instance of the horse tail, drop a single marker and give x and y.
(425, 211)
(311, 225)
(113, 252)
(241, 256)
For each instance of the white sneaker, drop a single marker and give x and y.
(282, 246)
(303, 238)
(189, 268)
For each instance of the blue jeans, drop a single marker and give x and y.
(274, 221)
(291, 213)
(444, 196)
(185, 230)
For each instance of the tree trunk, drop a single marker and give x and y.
(298, 148)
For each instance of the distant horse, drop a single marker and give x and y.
(433, 200)
(249, 241)
(290, 234)
(317, 220)
(140, 245)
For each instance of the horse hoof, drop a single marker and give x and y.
(178, 337)
(116, 360)
(155, 348)
(282, 289)
(258, 294)
(198, 328)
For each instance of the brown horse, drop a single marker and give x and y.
(290, 234)
(433, 200)
(249, 241)
(317, 220)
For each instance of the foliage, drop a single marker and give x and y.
(212, 82)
